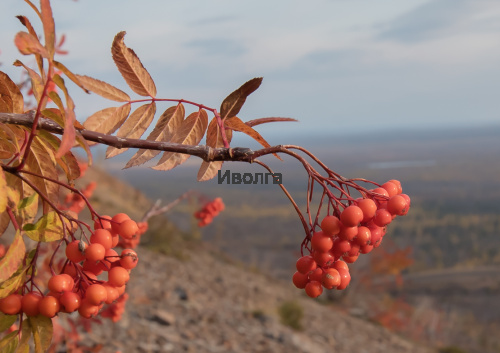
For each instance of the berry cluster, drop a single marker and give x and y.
(344, 235)
(78, 287)
(209, 211)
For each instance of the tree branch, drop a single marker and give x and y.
(207, 153)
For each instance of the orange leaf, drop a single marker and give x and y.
(131, 68)
(236, 124)
(14, 93)
(36, 80)
(232, 104)
(69, 134)
(49, 27)
(134, 126)
(27, 44)
(67, 162)
(107, 120)
(164, 131)
(70, 75)
(190, 133)
(14, 257)
(24, 20)
(103, 89)
(208, 170)
(3, 191)
(256, 122)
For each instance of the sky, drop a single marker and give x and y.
(339, 66)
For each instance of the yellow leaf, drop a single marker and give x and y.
(42, 332)
(9, 343)
(131, 68)
(48, 228)
(13, 258)
(3, 191)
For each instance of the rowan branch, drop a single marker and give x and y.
(207, 153)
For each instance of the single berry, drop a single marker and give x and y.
(96, 294)
(314, 289)
(118, 276)
(330, 278)
(345, 279)
(61, 283)
(11, 304)
(103, 237)
(29, 303)
(49, 306)
(351, 216)
(116, 220)
(70, 302)
(95, 252)
(320, 241)
(369, 207)
(74, 251)
(300, 280)
(330, 225)
(305, 264)
(128, 259)
(128, 229)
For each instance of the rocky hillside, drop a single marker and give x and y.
(205, 302)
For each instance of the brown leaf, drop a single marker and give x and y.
(208, 170)
(27, 45)
(67, 162)
(190, 133)
(3, 191)
(48, 26)
(232, 104)
(24, 20)
(131, 68)
(7, 148)
(14, 93)
(103, 89)
(68, 138)
(134, 126)
(70, 75)
(107, 120)
(164, 131)
(36, 80)
(13, 258)
(235, 123)
(6, 104)
(256, 122)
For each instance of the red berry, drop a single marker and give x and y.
(348, 233)
(128, 229)
(316, 275)
(300, 280)
(305, 264)
(351, 216)
(88, 310)
(128, 259)
(398, 185)
(350, 259)
(365, 249)
(392, 189)
(363, 236)
(96, 294)
(330, 225)
(339, 264)
(323, 258)
(314, 289)
(61, 283)
(382, 217)
(321, 242)
(117, 220)
(369, 207)
(345, 279)
(330, 278)
(103, 223)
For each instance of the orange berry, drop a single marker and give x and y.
(103, 237)
(364, 236)
(95, 267)
(61, 283)
(128, 229)
(348, 233)
(70, 302)
(397, 205)
(88, 310)
(345, 279)
(339, 264)
(128, 259)
(323, 258)
(103, 223)
(316, 275)
(96, 294)
(382, 217)
(118, 276)
(117, 219)
(112, 293)
(11, 304)
(95, 252)
(369, 207)
(75, 251)
(398, 185)
(49, 306)
(392, 189)
(29, 303)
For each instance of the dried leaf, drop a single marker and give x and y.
(134, 126)
(236, 124)
(20, 190)
(208, 170)
(28, 44)
(256, 122)
(131, 68)
(13, 258)
(70, 75)
(232, 104)
(36, 80)
(67, 162)
(14, 93)
(6, 104)
(103, 89)
(85, 145)
(190, 133)
(3, 191)
(49, 27)
(24, 20)
(164, 131)
(107, 120)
